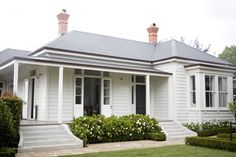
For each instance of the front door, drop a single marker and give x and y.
(140, 99)
(92, 96)
(31, 98)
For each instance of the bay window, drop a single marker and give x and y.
(209, 90)
(222, 88)
(193, 91)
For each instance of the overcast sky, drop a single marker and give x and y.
(29, 24)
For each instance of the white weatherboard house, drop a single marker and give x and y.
(83, 74)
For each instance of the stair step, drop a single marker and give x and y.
(47, 142)
(39, 127)
(35, 134)
(38, 138)
(50, 147)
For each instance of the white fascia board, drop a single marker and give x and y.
(210, 68)
(7, 65)
(90, 56)
(91, 68)
(190, 62)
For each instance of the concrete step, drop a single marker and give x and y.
(35, 134)
(38, 138)
(47, 142)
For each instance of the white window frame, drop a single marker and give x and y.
(82, 91)
(210, 91)
(110, 91)
(2, 88)
(192, 91)
(222, 92)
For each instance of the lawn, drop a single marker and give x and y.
(168, 151)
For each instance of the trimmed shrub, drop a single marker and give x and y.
(7, 129)
(156, 136)
(7, 152)
(211, 143)
(212, 132)
(226, 136)
(15, 105)
(98, 128)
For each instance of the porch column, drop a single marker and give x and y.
(15, 78)
(60, 94)
(148, 99)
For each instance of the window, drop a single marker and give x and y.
(1, 88)
(222, 84)
(106, 93)
(92, 72)
(209, 90)
(78, 71)
(140, 79)
(78, 90)
(193, 91)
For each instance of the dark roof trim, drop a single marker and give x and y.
(210, 66)
(87, 53)
(58, 62)
(197, 60)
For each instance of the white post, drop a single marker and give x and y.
(15, 78)
(148, 99)
(60, 94)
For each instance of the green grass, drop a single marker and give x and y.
(168, 151)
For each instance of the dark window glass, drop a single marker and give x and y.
(78, 99)
(132, 95)
(78, 81)
(106, 74)
(140, 79)
(92, 72)
(1, 85)
(78, 71)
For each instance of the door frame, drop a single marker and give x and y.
(31, 98)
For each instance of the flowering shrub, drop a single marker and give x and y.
(208, 125)
(98, 128)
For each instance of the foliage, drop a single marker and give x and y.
(165, 151)
(208, 125)
(156, 136)
(211, 132)
(196, 44)
(11, 108)
(229, 54)
(7, 129)
(232, 108)
(211, 143)
(98, 128)
(226, 136)
(7, 152)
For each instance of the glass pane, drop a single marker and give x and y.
(0, 92)
(78, 71)
(78, 81)
(209, 83)
(140, 79)
(193, 83)
(78, 100)
(209, 99)
(106, 92)
(132, 78)
(220, 83)
(106, 100)
(224, 84)
(222, 99)
(92, 72)
(106, 83)
(106, 74)
(132, 95)
(1, 85)
(78, 90)
(193, 97)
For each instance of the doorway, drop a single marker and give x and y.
(31, 98)
(92, 96)
(141, 99)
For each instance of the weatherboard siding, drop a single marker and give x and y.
(121, 94)
(159, 97)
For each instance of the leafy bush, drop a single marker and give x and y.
(156, 136)
(7, 129)
(98, 128)
(7, 152)
(211, 143)
(226, 136)
(212, 132)
(208, 125)
(11, 107)
(15, 105)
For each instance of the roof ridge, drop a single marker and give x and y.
(114, 37)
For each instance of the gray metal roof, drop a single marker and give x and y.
(129, 49)
(9, 54)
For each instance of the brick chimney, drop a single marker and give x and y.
(63, 22)
(152, 31)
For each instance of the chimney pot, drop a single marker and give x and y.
(63, 22)
(152, 31)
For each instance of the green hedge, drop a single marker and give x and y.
(208, 125)
(156, 136)
(7, 152)
(212, 132)
(211, 143)
(226, 136)
(10, 114)
(98, 128)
